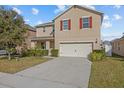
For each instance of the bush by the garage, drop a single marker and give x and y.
(97, 55)
(54, 52)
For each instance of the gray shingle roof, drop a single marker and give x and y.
(45, 24)
(30, 27)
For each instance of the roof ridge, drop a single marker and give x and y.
(44, 24)
(79, 6)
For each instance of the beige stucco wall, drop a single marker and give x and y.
(77, 34)
(40, 33)
(115, 47)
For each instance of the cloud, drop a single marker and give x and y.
(107, 24)
(117, 6)
(110, 37)
(60, 8)
(39, 22)
(27, 20)
(117, 17)
(90, 6)
(35, 11)
(106, 17)
(17, 10)
(112, 34)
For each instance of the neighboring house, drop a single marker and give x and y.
(75, 32)
(108, 48)
(118, 46)
(31, 32)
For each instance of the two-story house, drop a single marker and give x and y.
(75, 32)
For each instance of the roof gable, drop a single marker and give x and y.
(80, 7)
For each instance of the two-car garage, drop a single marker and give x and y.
(75, 49)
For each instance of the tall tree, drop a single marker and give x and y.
(12, 30)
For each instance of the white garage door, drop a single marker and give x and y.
(75, 50)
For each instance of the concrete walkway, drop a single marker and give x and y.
(61, 72)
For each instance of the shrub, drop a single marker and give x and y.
(31, 52)
(35, 52)
(24, 53)
(54, 52)
(97, 55)
(45, 52)
(38, 52)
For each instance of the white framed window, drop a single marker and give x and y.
(86, 22)
(65, 24)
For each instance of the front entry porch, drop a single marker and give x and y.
(43, 43)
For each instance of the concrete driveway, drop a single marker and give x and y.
(61, 72)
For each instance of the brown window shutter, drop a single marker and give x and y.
(80, 23)
(69, 24)
(61, 25)
(90, 19)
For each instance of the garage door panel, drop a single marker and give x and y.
(65, 50)
(83, 50)
(75, 50)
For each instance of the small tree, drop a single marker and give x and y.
(12, 30)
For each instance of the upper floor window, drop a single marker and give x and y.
(86, 22)
(65, 24)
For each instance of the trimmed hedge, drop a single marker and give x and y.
(54, 52)
(45, 52)
(97, 55)
(24, 53)
(35, 52)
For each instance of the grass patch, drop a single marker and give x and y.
(14, 66)
(108, 73)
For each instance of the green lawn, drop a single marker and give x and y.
(14, 66)
(107, 73)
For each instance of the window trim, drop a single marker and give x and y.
(63, 25)
(88, 22)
